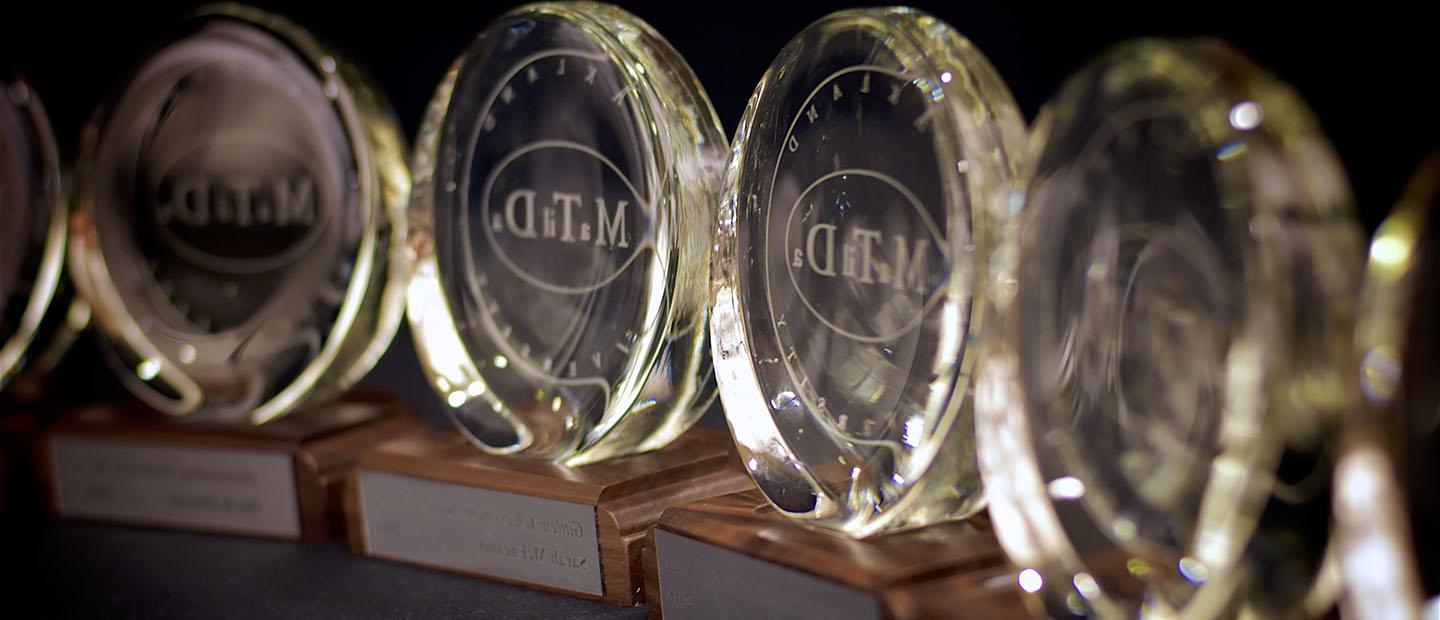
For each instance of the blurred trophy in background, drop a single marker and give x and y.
(1387, 484)
(237, 232)
(1157, 431)
(39, 316)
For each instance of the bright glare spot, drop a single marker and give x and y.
(1246, 115)
(441, 383)
(898, 479)
(456, 399)
(1086, 586)
(555, 404)
(187, 354)
(501, 362)
(946, 77)
(1137, 567)
(914, 426)
(1193, 570)
(854, 473)
(1389, 251)
(148, 369)
(476, 388)
(1068, 487)
(1031, 581)
(753, 464)
(569, 422)
(962, 166)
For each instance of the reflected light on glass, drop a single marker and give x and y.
(1246, 115)
(1031, 581)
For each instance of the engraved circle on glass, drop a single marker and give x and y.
(860, 200)
(238, 232)
(33, 295)
(568, 156)
(1182, 306)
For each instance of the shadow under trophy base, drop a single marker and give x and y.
(432, 499)
(281, 480)
(736, 557)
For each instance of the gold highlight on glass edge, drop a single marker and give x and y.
(1386, 500)
(869, 178)
(237, 226)
(561, 224)
(1175, 324)
(37, 318)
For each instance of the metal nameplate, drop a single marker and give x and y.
(491, 533)
(700, 581)
(203, 488)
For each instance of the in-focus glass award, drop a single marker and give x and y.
(237, 233)
(1174, 349)
(869, 176)
(37, 320)
(561, 220)
(1387, 483)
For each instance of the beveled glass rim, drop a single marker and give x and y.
(375, 288)
(1370, 504)
(50, 285)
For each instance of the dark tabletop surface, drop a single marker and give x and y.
(56, 569)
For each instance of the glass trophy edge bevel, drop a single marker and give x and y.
(52, 318)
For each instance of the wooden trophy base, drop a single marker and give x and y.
(736, 557)
(280, 480)
(432, 499)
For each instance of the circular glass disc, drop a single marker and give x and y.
(1178, 348)
(868, 174)
(241, 250)
(563, 227)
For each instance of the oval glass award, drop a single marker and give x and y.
(237, 228)
(869, 175)
(561, 225)
(1386, 499)
(37, 321)
(1156, 430)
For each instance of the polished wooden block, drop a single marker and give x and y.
(735, 556)
(118, 463)
(431, 499)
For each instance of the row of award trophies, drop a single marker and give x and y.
(1146, 340)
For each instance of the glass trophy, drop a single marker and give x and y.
(868, 180)
(1385, 483)
(869, 177)
(565, 181)
(1157, 424)
(37, 318)
(561, 223)
(237, 234)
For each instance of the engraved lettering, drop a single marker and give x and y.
(611, 226)
(516, 198)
